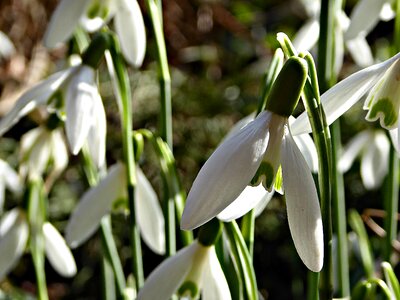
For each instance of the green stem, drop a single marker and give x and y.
(123, 93)
(155, 11)
(391, 204)
(248, 225)
(37, 217)
(397, 28)
(339, 215)
(108, 286)
(312, 285)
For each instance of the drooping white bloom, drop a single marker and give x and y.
(366, 14)
(39, 147)
(57, 251)
(257, 150)
(192, 271)
(97, 202)
(94, 14)
(73, 94)
(373, 146)
(14, 233)
(8, 179)
(307, 37)
(382, 101)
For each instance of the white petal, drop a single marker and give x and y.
(96, 138)
(339, 50)
(307, 148)
(352, 150)
(59, 152)
(168, 276)
(375, 161)
(11, 178)
(79, 106)
(57, 251)
(129, 26)
(13, 240)
(307, 36)
(387, 12)
(7, 47)
(215, 285)
(364, 17)
(227, 172)
(239, 125)
(93, 205)
(39, 154)
(259, 208)
(247, 200)
(64, 21)
(32, 98)
(149, 214)
(360, 51)
(304, 214)
(394, 136)
(342, 96)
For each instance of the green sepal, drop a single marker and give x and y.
(210, 232)
(286, 90)
(188, 286)
(94, 53)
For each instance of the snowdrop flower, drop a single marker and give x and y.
(254, 154)
(307, 37)
(39, 148)
(10, 179)
(381, 80)
(366, 14)
(373, 146)
(97, 202)
(193, 269)
(73, 95)
(94, 14)
(14, 233)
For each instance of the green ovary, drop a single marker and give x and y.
(97, 10)
(188, 288)
(264, 173)
(383, 109)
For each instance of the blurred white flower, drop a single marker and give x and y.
(257, 151)
(93, 15)
(97, 202)
(73, 95)
(192, 271)
(6, 46)
(8, 179)
(373, 146)
(14, 233)
(307, 37)
(382, 101)
(40, 148)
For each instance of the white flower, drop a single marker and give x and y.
(14, 233)
(256, 151)
(366, 14)
(39, 148)
(193, 270)
(97, 202)
(382, 101)
(94, 14)
(73, 94)
(307, 37)
(374, 149)
(10, 179)
(6, 46)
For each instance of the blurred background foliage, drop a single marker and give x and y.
(218, 53)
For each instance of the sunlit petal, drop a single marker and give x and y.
(307, 148)
(133, 41)
(32, 98)
(352, 150)
(149, 214)
(387, 12)
(7, 47)
(59, 152)
(364, 17)
(227, 172)
(57, 251)
(64, 21)
(93, 205)
(39, 155)
(375, 161)
(302, 204)
(360, 51)
(168, 276)
(247, 200)
(307, 36)
(342, 96)
(10, 176)
(14, 236)
(215, 285)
